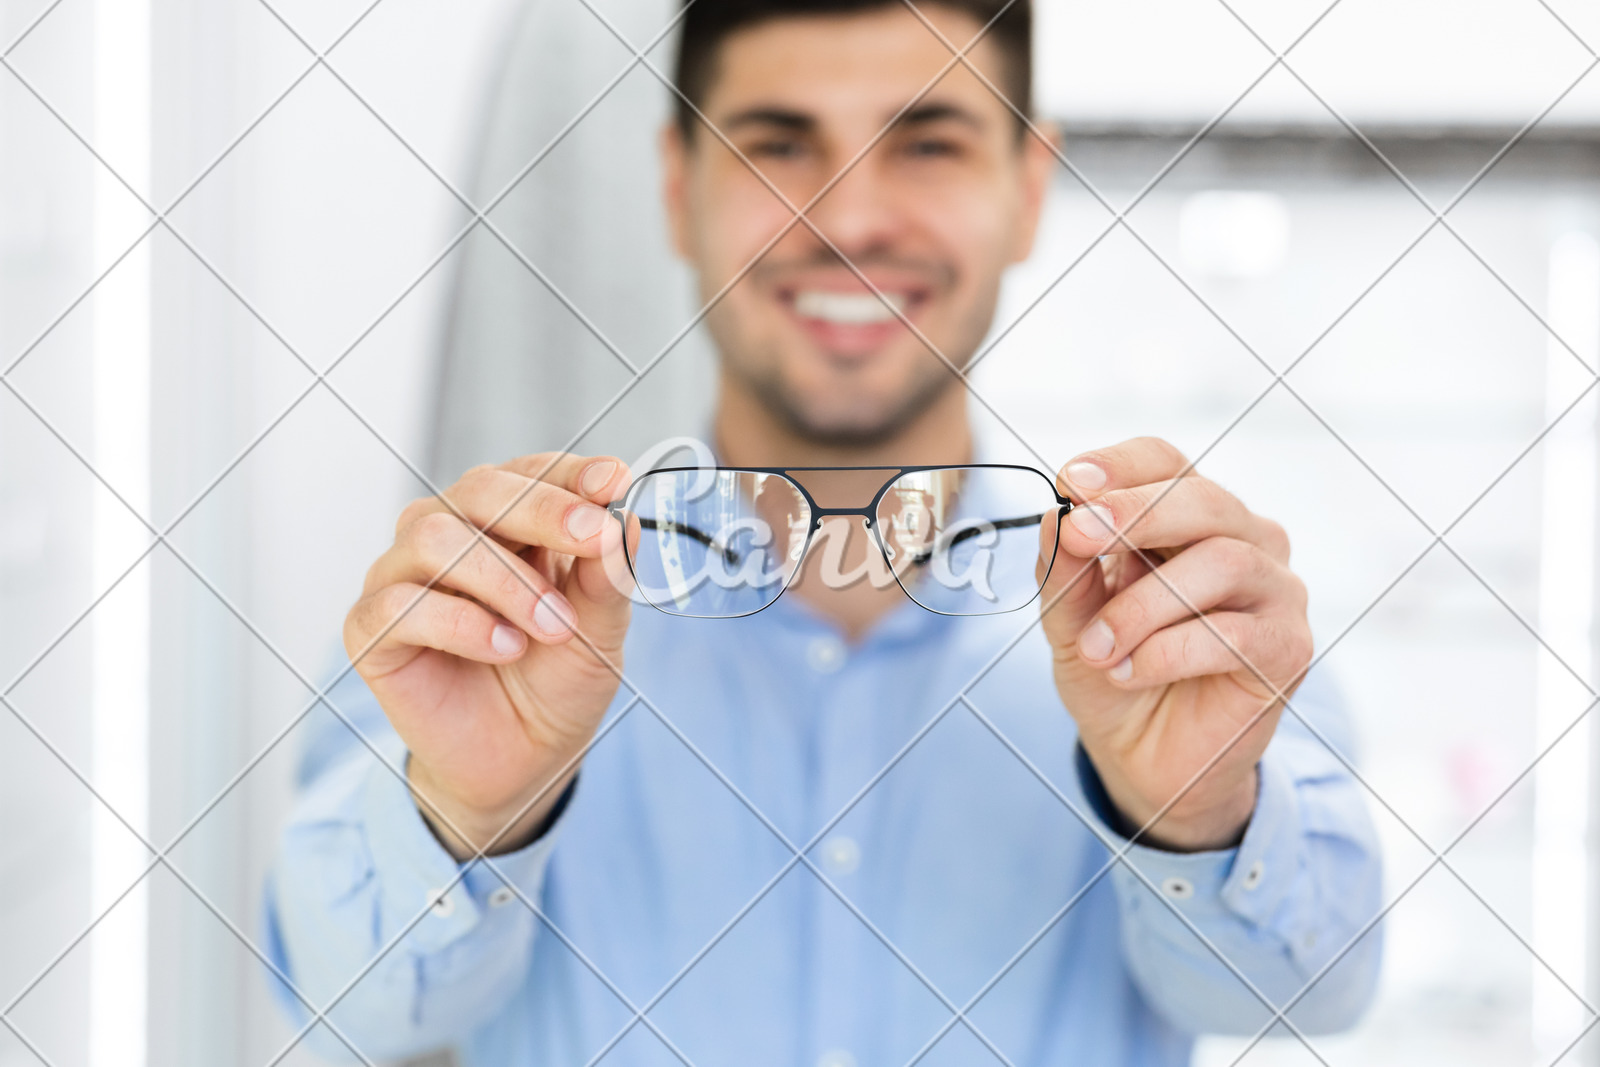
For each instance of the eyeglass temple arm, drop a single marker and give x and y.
(693, 533)
(950, 541)
(967, 533)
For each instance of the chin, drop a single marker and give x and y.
(852, 421)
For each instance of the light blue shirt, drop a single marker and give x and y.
(953, 864)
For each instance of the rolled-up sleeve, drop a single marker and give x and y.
(1298, 897)
(366, 911)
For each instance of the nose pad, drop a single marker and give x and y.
(883, 544)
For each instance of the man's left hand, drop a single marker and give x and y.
(1156, 692)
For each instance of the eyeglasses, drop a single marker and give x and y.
(723, 542)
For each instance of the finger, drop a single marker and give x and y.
(1218, 573)
(598, 479)
(441, 549)
(385, 630)
(1167, 514)
(1138, 461)
(521, 511)
(1261, 652)
(1072, 593)
(599, 592)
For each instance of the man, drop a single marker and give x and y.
(956, 792)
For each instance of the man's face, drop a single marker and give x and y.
(931, 213)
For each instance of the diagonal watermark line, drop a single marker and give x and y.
(923, 733)
(1440, 538)
(32, 25)
(162, 857)
(894, 761)
(1410, 187)
(480, 214)
(278, 654)
(227, 469)
(1576, 36)
(460, 236)
(616, 399)
(1438, 859)
(14, 391)
(320, 696)
(1279, 376)
(360, 337)
(26, 1042)
(163, 221)
(582, 957)
(1590, 1025)
(959, 57)
(1118, 216)
(182, 195)
(1144, 879)
(480, 854)
(505, 191)
(1280, 1012)
(639, 696)
(805, 860)
(183, 559)
(671, 344)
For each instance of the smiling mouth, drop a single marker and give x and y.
(850, 309)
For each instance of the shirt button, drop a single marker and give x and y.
(442, 903)
(1253, 876)
(501, 897)
(841, 855)
(825, 655)
(836, 1057)
(1178, 888)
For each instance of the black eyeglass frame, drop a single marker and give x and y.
(618, 510)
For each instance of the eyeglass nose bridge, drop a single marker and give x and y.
(821, 513)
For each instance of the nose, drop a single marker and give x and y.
(858, 213)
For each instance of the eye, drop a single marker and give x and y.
(776, 148)
(932, 148)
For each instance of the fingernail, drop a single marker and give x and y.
(1092, 520)
(1086, 475)
(584, 521)
(1123, 670)
(506, 639)
(1097, 642)
(552, 615)
(597, 477)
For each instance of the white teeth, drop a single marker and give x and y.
(846, 309)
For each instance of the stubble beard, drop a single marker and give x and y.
(845, 430)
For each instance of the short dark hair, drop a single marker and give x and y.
(707, 23)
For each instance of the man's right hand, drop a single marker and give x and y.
(483, 677)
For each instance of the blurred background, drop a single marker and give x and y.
(269, 268)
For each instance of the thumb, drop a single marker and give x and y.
(1073, 591)
(598, 595)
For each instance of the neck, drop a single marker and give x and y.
(748, 435)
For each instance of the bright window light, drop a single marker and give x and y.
(120, 668)
(1566, 618)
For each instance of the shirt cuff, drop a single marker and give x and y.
(414, 872)
(1248, 882)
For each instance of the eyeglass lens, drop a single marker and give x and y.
(725, 543)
